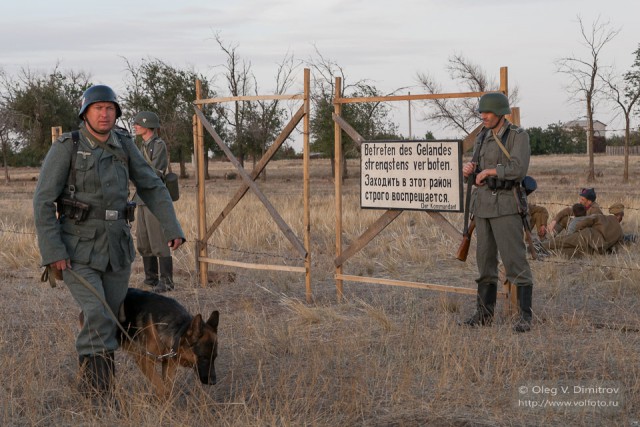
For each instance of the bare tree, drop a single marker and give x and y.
(267, 117)
(584, 85)
(460, 114)
(371, 120)
(239, 79)
(625, 95)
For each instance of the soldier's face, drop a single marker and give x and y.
(101, 117)
(489, 120)
(584, 201)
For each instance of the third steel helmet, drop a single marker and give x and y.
(494, 102)
(147, 119)
(99, 93)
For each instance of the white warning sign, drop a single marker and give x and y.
(416, 175)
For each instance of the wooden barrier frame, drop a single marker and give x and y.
(204, 234)
(342, 255)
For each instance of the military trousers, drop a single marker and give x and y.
(502, 235)
(98, 333)
(150, 240)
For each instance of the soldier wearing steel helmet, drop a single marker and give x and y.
(495, 208)
(82, 224)
(150, 242)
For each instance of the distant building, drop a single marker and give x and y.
(599, 128)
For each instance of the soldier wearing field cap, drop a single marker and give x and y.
(503, 153)
(150, 241)
(587, 198)
(83, 225)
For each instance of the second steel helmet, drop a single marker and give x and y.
(494, 102)
(147, 119)
(99, 93)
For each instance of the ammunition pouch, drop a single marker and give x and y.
(500, 184)
(171, 181)
(73, 209)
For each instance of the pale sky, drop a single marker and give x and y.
(387, 42)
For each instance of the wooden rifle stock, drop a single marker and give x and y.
(463, 249)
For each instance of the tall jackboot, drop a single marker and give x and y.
(98, 371)
(150, 264)
(487, 294)
(525, 294)
(166, 275)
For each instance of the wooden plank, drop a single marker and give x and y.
(252, 266)
(451, 231)
(201, 206)
(306, 151)
(289, 234)
(337, 154)
(340, 100)
(417, 285)
(372, 231)
(256, 171)
(247, 98)
(345, 126)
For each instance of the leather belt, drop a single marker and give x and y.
(107, 214)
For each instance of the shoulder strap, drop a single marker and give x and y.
(75, 137)
(502, 143)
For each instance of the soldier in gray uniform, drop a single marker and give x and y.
(494, 204)
(80, 210)
(150, 240)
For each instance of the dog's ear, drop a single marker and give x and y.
(213, 320)
(195, 329)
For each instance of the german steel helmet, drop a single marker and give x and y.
(147, 119)
(494, 102)
(99, 93)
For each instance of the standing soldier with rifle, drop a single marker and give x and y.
(502, 151)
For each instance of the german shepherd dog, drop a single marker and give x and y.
(162, 331)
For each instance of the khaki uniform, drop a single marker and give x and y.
(539, 217)
(562, 218)
(594, 234)
(100, 250)
(498, 222)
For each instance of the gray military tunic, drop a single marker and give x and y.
(150, 240)
(498, 222)
(101, 251)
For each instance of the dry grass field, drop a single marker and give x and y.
(383, 356)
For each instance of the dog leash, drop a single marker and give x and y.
(83, 281)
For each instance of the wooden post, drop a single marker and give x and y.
(305, 186)
(56, 131)
(201, 247)
(337, 173)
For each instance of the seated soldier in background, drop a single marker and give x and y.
(587, 198)
(579, 212)
(594, 234)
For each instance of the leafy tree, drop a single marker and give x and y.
(556, 139)
(156, 86)
(41, 101)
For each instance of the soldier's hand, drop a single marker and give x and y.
(175, 243)
(62, 264)
(468, 169)
(542, 231)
